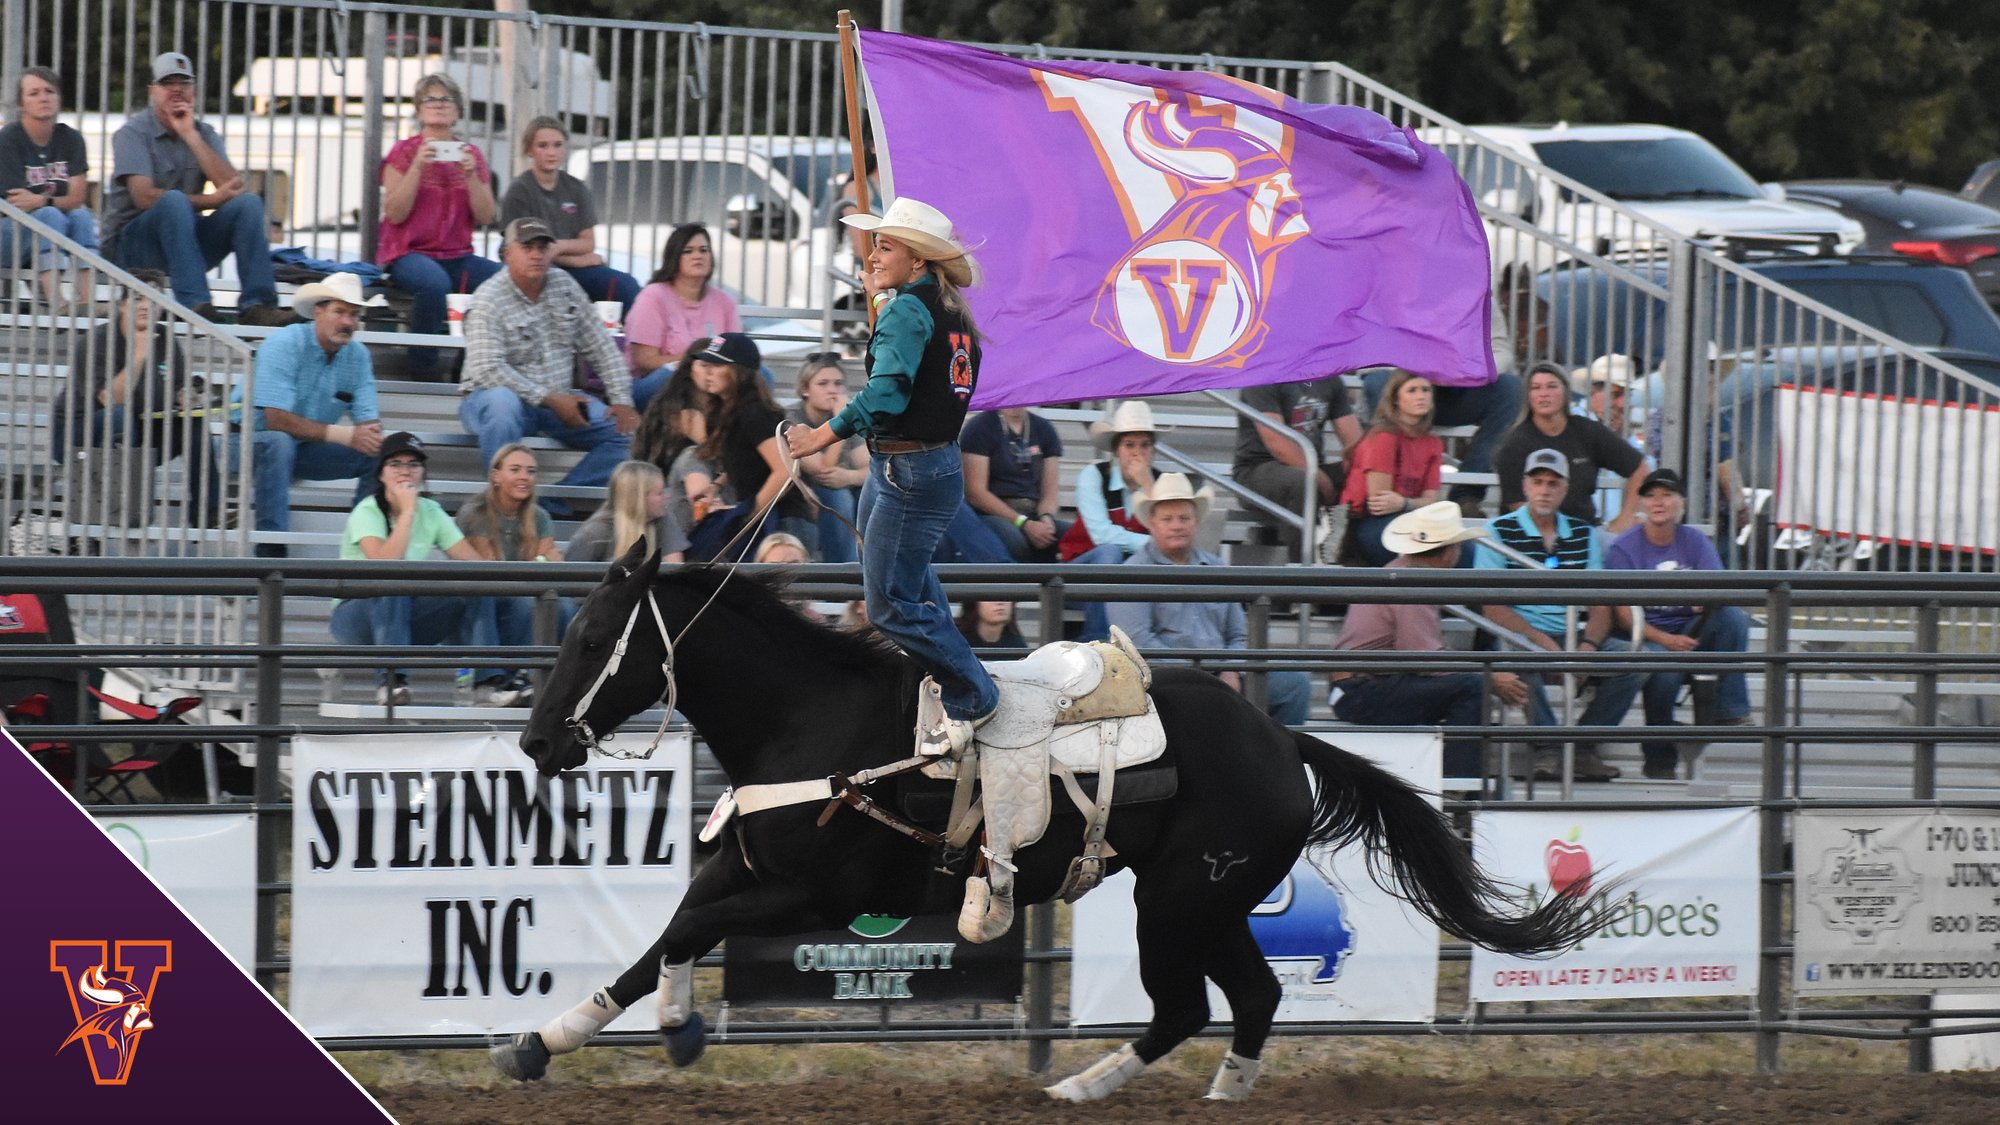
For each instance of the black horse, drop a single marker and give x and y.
(781, 699)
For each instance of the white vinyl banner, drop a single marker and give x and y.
(1343, 950)
(1897, 901)
(1680, 885)
(207, 862)
(440, 886)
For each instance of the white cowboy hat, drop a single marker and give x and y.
(1617, 370)
(1132, 416)
(1172, 486)
(927, 232)
(1428, 528)
(336, 287)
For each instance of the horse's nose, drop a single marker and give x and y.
(534, 746)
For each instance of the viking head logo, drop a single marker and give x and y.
(112, 1012)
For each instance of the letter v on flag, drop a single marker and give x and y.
(1147, 232)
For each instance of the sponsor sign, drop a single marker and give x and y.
(1897, 901)
(877, 959)
(207, 862)
(1681, 885)
(1342, 948)
(442, 886)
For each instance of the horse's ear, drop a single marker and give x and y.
(636, 566)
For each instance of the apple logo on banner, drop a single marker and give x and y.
(1568, 865)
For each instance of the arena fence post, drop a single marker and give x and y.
(271, 823)
(546, 616)
(1257, 685)
(1041, 977)
(1771, 828)
(1923, 779)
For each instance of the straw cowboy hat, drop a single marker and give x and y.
(1172, 486)
(1617, 370)
(336, 287)
(1132, 416)
(927, 233)
(1428, 528)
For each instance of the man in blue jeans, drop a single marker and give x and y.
(316, 417)
(154, 207)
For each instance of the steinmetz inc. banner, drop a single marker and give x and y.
(439, 885)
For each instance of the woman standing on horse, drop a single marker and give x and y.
(923, 362)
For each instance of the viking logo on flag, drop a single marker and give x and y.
(1149, 232)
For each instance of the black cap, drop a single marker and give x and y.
(731, 347)
(398, 443)
(1663, 478)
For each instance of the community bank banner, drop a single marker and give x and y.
(1897, 901)
(1343, 949)
(207, 862)
(878, 959)
(439, 885)
(1682, 885)
(1148, 232)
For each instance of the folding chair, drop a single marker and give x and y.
(115, 780)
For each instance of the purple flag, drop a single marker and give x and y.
(1146, 232)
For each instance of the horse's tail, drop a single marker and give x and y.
(1358, 801)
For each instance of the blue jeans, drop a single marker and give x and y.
(1723, 628)
(510, 623)
(496, 416)
(169, 236)
(1607, 708)
(1097, 618)
(427, 280)
(277, 459)
(602, 283)
(908, 501)
(360, 622)
(836, 541)
(1290, 696)
(967, 539)
(107, 429)
(1408, 699)
(1493, 408)
(79, 226)
(1018, 547)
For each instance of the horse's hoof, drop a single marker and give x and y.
(522, 1057)
(686, 1042)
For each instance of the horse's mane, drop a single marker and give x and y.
(761, 597)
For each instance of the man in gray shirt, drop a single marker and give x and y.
(523, 334)
(161, 158)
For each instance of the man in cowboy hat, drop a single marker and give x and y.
(1602, 391)
(315, 410)
(1430, 537)
(1172, 512)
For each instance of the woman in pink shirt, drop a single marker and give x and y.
(436, 188)
(677, 309)
(1397, 468)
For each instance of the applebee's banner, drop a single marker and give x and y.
(207, 862)
(1897, 901)
(1343, 949)
(439, 885)
(1148, 232)
(1681, 885)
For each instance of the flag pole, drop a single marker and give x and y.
(850, 81)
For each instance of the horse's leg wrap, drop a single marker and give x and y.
(676, 993)
(573, 1028)
(1104, 1076)
(1233, 1078)
(988, 911)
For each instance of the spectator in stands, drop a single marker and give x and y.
(835, 474)
(742, 439)
(123, 413)
(1173, 511)
(160, 159)
(504, 524)
(1542, 531)
(523, 336)
(400, 522)
(1602, 391)
(436, 190)
(678, 308)
(43, 167)
(1663, 542)
(316, 417)
(635, 505)
(1430, 537)
(1272, 465)
(1397, 468)
(673, 419)
(1107, 528)
(1490, 407)
(1013, 479)
(990, 625)
(564, 202)
(782, 548)
(1546, 423)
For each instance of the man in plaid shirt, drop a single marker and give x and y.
(526, 328)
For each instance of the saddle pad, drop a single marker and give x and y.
(930, 806)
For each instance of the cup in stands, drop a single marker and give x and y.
(455, 305)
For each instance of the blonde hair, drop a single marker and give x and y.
(485, 518)
(536, 125)
(630, 482)
(781, 539)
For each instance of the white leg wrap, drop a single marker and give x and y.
(573, 1028)
(1233, 1078)
(1104, 1076)
(676, 993)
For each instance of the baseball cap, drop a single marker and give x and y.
(173, 64)
(1663, 478)
(1549, 460)
(529, 229)
(731, 347)
(398, 443)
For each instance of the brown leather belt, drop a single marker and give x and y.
(901, 445)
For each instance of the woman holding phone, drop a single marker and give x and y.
(436, 187)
